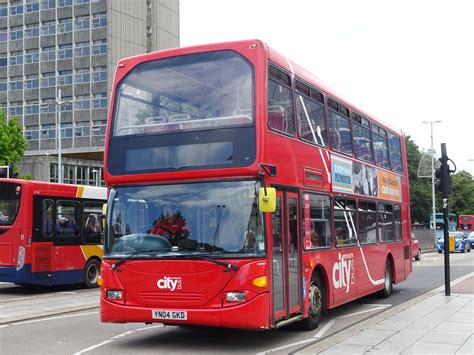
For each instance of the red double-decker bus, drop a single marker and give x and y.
(245, 194)
(50, 234)
(466, 223)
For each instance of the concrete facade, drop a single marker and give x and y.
(72, 45)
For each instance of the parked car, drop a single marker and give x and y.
(415, 248)
(470, 238)
(461, 242)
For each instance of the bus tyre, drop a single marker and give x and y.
(91, 273)
(418, 255)
(388, 282)
(316, 305)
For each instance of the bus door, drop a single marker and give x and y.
(285, 258)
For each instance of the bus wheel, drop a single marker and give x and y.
(91, 273)
(388, 283)
(316, 305)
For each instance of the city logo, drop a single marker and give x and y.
(169, 283)
(343, 271)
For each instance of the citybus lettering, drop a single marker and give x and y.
(343, 271)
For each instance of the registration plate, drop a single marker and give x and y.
(168, 314)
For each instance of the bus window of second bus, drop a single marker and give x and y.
(344, 222)
(92, 232)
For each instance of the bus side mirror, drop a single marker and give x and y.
(267, 199)
(103, 216)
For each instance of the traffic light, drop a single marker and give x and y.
(443, 181)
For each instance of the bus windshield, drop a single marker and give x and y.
(185, 219)
(186, 93)
(9, 202)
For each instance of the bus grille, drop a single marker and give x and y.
(154, 297)
(41, 257)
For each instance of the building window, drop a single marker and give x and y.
(31, 134)
(31, 109)
(65, 77)
(83, 129)
(48, 80)
(48, 106)
(65, 25)
(16, 10)
(82, 76)
(99, 101)
(48, 4)
(66, 130)
(32, 81)
(16, 58)
(3, 35)
(99, 127)
(99, 47)
(16, 83)
(3, 84)
(32, 5)
(48, 131)
(99, 20)
(82, 23)
(48, 54)
(65, 51)
(82, 102)
(32, 31)
(16, 33)
(48, 28)
(62, 3)
(99, 74)
(3, 61)
(82, 49)
(79, 2)
(3, 10)
(32, 56)
(68, 105)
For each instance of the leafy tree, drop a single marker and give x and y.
(461, 201)
(12, 142)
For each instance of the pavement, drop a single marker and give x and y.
(432, 323)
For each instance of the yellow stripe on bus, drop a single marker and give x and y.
(80, 191)
(92, 250)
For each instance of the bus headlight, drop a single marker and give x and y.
(235, 297)
(114, 294)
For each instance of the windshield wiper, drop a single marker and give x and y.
(129, 256)
(227, 265)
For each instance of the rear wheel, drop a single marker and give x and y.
(388, 283)
(418, 255)
(91, 273)
(316, 305)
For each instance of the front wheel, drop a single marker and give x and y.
(91, 273)
(316, 305)
(388, 283)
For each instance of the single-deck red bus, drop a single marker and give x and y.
(466, 223)
(245, 194)
(50, 234)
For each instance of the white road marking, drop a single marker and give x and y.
(376, 305)
(105, 342)
(286, 346)
(53, 318)
(324, 329)
(361, 312)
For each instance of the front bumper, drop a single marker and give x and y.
(252, 315)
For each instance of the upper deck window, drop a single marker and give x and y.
(185, 93)
(310, 113)
(280, 102)
(362, 138)
(379, 136)
(339, 128)
(395, 153)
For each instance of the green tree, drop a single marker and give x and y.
(461, 201)
(12, 142)
(420, 188)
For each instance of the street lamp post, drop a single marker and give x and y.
(58, 102)
(433, 226)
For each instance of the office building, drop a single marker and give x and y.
(72, 45)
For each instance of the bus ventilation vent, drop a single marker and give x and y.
(42, 257)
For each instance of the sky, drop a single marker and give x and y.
(403, 62)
